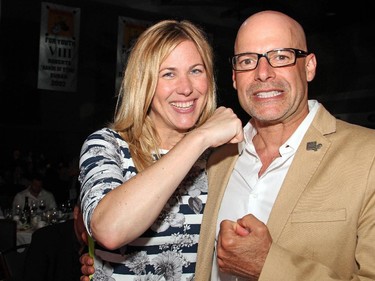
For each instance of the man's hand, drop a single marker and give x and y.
(243, 246)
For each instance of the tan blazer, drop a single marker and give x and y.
(323, 220)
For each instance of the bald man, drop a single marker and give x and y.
(295, 200)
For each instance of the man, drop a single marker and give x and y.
(35, 192)
(296, 200)
(55, 250)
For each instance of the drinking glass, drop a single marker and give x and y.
(42, 205)
(34, 206)
(8, 214)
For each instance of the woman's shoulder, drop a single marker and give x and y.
(106, 136)
(104, 133)
(106, 142)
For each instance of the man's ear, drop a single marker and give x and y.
(310, 66)
(234, 80)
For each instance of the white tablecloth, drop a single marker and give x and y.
(24, 236)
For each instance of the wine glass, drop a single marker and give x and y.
(18, 210)
(63, 208)
(54, 216)
(69, 206)
(8, 214)
(42, 205)
(34, 206)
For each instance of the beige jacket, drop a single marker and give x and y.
(323, 220)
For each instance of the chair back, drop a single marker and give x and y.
(12, 262)
(8, 234)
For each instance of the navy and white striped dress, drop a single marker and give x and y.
(167, 250)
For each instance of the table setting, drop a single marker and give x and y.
(34, 216)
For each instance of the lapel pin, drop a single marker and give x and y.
(313, 145)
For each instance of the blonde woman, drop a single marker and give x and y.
(143, 178)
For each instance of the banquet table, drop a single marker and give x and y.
(24, 233)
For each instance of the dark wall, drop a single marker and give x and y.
(57, 122)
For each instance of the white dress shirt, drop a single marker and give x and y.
(247, 193)
(45, 195)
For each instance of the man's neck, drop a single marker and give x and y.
(33, 193)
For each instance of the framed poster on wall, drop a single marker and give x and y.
(128, 30)
(58, 47)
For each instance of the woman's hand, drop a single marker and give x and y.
(222, 127)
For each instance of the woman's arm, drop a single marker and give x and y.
(127, 211)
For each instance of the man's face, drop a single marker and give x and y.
(36, 186)
(271, 95)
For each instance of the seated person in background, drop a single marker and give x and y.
(55, 250)
(35, 192)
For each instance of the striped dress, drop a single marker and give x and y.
(167, 250)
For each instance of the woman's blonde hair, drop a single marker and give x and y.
(138, 86)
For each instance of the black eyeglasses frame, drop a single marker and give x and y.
(298, 54)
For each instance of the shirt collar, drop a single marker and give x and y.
(293, 141)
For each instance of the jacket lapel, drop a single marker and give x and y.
(220, 166)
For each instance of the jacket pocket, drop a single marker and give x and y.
(319, 216)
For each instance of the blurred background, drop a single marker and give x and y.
(45, 126)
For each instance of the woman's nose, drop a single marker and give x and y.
(184, 86)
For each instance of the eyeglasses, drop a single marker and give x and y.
(276, 58)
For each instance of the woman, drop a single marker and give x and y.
(143, 181)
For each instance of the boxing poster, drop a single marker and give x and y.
(58, 47)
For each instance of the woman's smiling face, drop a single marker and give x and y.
(181, 92)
